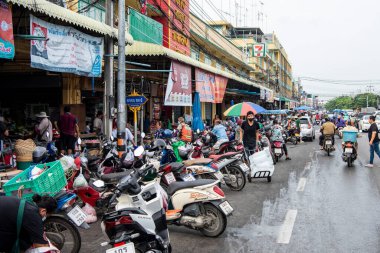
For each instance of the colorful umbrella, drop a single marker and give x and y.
(241, 109)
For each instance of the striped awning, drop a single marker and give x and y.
(148, 49)
(66, 15)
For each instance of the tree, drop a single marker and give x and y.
(360, 100)
(343, 102)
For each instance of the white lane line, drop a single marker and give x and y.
(287, 228)
(308, 166)
(301, 184)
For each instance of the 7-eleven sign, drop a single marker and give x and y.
(259, 50)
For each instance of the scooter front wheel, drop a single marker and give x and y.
(218, 224)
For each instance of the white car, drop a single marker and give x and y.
(364, 123)
(307, 128)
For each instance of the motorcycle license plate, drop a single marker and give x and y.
(170, 178)
(126, 248)
(226, 208)
(244, 167)
(349, 150)
(328, 142)
(77, 215)
(277, 150)
(188, 177)
(219, 175)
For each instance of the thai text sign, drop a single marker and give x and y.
(135, 100)
(220, 88)
(178, 91)
(259, 50)
(180, 16)
(7, 48)
(65, 49)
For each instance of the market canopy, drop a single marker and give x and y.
(274, 112)
(69, 16)
(303, 108)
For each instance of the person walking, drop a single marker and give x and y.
(69, 129)
(249, 133)
(44, 128)
(373, 141)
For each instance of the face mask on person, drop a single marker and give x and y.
(250, 119)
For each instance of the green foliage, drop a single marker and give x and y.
(346, 102)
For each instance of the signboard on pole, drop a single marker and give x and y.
(178, 91)
(135, 100)
(7, 47)
(65, 49)
(259, 50)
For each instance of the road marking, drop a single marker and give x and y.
(301, 184)
(287, 228)
(308, 166)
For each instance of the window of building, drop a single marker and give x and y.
(94, 11)
(195, 54)
(207, 59)
(218, 66)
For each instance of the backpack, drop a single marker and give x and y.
(186, 133)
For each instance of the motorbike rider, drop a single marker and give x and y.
(340, 122)
(277, 131)
(249, 133)
(220, 131)
(351, 128)
(327, 128)
(31, 231)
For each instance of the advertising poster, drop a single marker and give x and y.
(220, 88)
(7, 47)
(65, 50)
(178, 91)
(205, 85)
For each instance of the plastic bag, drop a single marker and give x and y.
(50, 249)
(175, 146)
(91, 213)
(80, 181)
(67, 162)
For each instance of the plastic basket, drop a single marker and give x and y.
(50, 182)
(349, 136)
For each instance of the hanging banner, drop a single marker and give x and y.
(270, 96)
(178, 91)
(259, 50)
(262, 94)
(7, 46)
(65, 50)
(205, 85)
(220, 88)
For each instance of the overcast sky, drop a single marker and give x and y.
(326, 39)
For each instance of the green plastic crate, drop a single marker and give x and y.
(50, 182)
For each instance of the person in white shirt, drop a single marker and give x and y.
(128, 134)
(98, 123)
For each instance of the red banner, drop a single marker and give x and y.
(220, 88)
(178, 91)
(211, 87)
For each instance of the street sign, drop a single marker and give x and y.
(135, 100)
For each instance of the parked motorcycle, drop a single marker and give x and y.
(139, 220)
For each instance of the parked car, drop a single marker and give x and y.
(364, 123)
(377, 120)
(307, 128)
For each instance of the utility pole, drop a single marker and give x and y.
(108, 100)
(121, 114)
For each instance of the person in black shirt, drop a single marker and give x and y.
(373, 141)
(249, 133)
(31, 233)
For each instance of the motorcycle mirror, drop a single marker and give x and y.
(142, 135)
(139, 151)
(111, 138)
(79, 141)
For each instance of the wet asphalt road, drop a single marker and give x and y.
(314, 203)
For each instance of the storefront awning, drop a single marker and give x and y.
(148, 49)
(66, 15)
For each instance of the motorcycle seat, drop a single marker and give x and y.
(174, 167)
(216, 158)
(197, 161)
(114, 177)
(176, 186)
